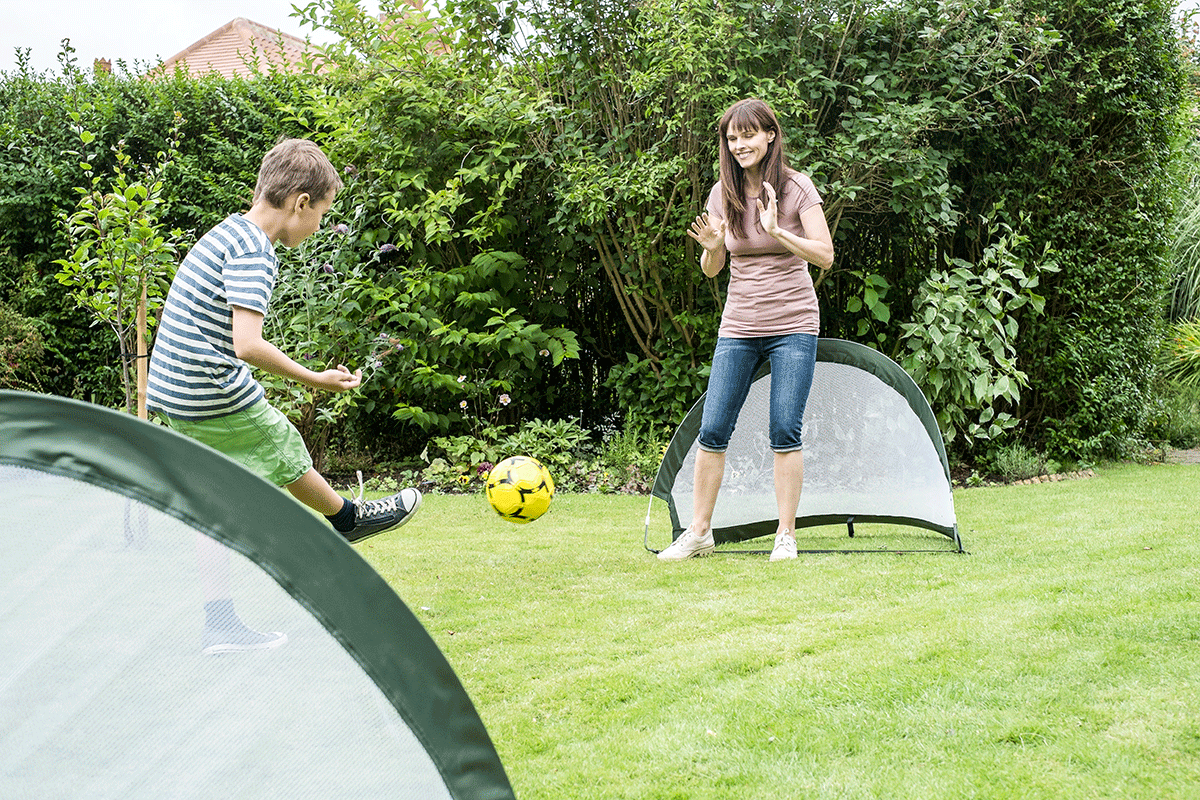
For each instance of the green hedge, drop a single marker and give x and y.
(227, 125)
(1087, 157)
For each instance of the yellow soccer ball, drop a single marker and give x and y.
(520, 489)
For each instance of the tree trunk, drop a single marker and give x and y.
(143, 366)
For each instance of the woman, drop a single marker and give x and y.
(768, 218)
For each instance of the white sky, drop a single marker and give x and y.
(141, 30)
(133, 30)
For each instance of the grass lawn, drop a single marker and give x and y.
(1058, 659)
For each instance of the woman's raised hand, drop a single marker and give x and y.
(709, 232)
(768, 215)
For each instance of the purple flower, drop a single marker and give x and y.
(341, 228)
(387, 248)
(328, 269)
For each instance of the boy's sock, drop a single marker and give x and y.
(343, 520)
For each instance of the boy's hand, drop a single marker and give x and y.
(340, 379)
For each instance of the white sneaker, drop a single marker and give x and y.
(689, 544)
(785, 546)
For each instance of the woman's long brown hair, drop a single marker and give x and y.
(749, 115)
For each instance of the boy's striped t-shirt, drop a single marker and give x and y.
(194, 373)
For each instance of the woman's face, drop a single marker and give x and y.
(749, 148)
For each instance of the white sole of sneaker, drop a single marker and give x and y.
(225, 647)
(697, 554)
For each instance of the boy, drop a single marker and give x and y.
(211, 334)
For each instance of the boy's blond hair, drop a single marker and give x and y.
(293, 166)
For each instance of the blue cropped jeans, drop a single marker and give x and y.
(793, 358)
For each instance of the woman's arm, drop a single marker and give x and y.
(815, 247)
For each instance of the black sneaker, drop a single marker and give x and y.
(237, 639)
(376, 516)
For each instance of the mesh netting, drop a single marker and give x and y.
(104, 690)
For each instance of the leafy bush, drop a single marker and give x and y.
(1016, 462)
(1185, 257)
(469, 358)
(634, 449)
(870, 102)
(471, 451)
(21, 351)
(1175, 421)
(464, 462)
(623, 462)
(313, 320)
(559, 444)
(1180, 355)
(649, 391)
(465, 273)
(122, 260)
(961, 349)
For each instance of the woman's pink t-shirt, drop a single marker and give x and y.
(770, 291)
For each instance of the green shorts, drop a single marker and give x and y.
(260, 438)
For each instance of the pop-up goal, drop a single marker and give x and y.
(872, 454)
(108, 526)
